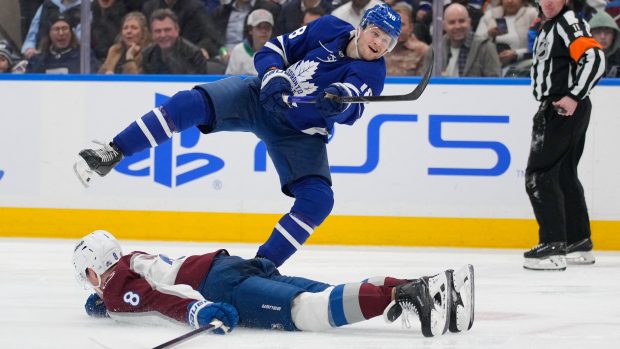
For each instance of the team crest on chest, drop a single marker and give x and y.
(301, 73)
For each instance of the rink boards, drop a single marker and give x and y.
(446, 170)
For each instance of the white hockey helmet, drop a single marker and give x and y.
(98, 250)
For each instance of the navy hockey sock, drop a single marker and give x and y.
(286, 238)
(184, 110)
(313, 202)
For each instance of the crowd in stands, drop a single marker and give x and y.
(481, 37)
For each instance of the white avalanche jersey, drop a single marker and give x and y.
(156, 286)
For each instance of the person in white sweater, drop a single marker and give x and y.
(508, 24)
(260, 27)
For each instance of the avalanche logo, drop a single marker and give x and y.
(165, 162)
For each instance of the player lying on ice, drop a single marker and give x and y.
(325, 58)
(200, 289)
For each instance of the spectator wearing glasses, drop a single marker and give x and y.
(39, 27)
(60, 51)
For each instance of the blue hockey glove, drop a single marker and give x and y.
(328, 107)
(203, 312)
(275, 83)
(95, 307)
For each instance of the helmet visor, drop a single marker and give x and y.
(383, 40)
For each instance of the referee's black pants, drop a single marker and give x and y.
(551, 179)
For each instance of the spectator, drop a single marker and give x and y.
(313, 13)
(597, 5)
(107, 18)
(9, 61)
(613, 8)
(260, 23)
(134, 5)
(465, 54)
(292, 15)
(584, 9)
(607, 33)
(27, 9)
(39, 27)
(228, 24)
(171, 54)
(192, 18)
(125, 56)
(474, 9)
(60, 50)
(353, 10)
(508, 25)
(407, 57)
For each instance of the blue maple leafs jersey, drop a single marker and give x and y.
(314, 56)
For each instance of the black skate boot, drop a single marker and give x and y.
(100, 161)
(580, 252)
(427, 297)
(546, 256)
(462, 305)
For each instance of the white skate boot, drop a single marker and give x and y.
(462, 306)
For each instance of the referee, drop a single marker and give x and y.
(567, 63)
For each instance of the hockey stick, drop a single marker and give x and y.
(411, 96)
(180, 339)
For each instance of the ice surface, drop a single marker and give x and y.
(41, 305)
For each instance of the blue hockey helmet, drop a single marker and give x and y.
(385, 18)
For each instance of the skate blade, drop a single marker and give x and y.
(464, 284)
(439, 287)
(580, 258)
(553, 263)
(386, 318)
(83, 172)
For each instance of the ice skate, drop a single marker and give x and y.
(462, 305)
(546, 256)
(429, 298)
(580, 252)
(100, 161)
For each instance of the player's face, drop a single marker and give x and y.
(373, 43)
(131, 32)
(551, 8)
(165, 32)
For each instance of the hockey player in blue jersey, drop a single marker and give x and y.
(327, 57)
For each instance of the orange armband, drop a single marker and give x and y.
(578, 47)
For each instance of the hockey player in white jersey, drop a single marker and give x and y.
(198, 289)
(326, 58)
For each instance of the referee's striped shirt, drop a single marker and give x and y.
(567, 60)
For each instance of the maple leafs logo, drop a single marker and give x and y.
(301, 73)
